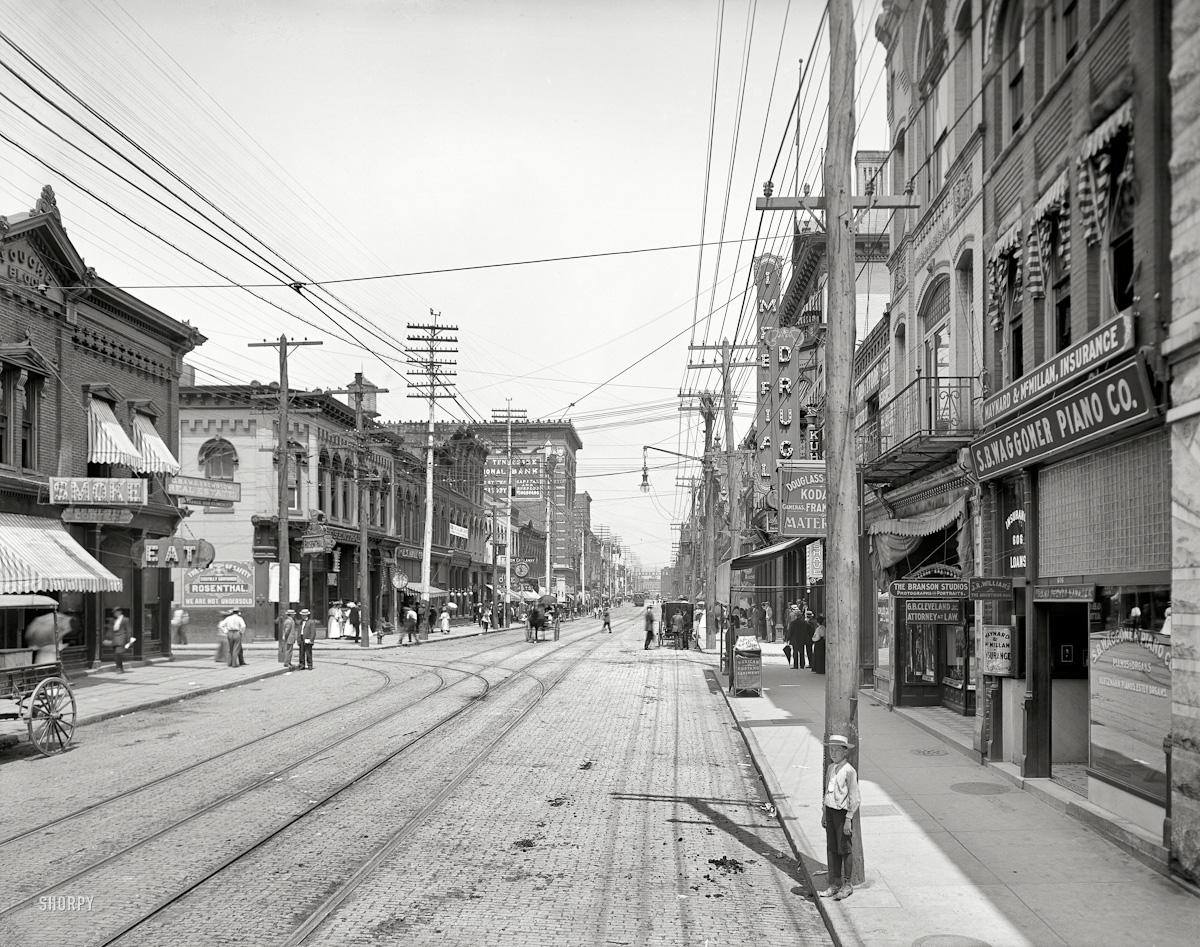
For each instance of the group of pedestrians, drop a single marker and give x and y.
(230, 630)
(343, 620)
(300, 630)
(805, 639)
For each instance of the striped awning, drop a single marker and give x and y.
(156, 457)
(39, 555)
(107, 441)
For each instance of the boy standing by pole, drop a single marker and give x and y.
(837, 817)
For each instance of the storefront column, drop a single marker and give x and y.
(93, 605)
(1035, 757)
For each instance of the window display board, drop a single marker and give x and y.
(1130, 705)
(998, 650)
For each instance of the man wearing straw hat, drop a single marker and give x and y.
(307, 632)
(837, 817)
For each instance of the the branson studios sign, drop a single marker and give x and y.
(1117, 399)
(802, 499)
(1086, 355)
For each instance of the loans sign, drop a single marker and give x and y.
(802, 499)
(1117, 399)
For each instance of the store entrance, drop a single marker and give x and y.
(1068, 626)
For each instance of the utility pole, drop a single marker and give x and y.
(428, 379)
(508, 414)
(357, 390)
(841, 695)
(709, 412)
(284, 458)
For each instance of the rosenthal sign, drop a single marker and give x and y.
(97, 491)
(1117, 399)
(1089, 353)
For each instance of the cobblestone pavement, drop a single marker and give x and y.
(620, 808)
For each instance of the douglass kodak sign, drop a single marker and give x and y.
(1117, 399)
(1089, 353)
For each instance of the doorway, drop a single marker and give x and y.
(1068, 627)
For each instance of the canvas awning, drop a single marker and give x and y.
(107, 441)
(39, 555)
(420, 590)
(767, 553)
(155, 456)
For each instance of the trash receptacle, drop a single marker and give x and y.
(747, 666)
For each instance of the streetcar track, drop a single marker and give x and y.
(195, 814)
(305, 930)
(191, 767)
(272, 834)
(83, 810)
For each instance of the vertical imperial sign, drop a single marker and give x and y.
(802, 499)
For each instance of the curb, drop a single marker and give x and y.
(9, 740)
(785, 815)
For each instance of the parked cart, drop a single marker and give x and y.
(41, 692)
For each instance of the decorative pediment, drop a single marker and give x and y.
(146, 406)
(24, 356)
(103, 391)
(47, 203)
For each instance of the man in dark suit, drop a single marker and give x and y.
(307, 633)
(799, 632)
(355, 619)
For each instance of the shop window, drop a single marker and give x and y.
(922, 654)
(218, 460)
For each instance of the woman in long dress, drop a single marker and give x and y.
(335, 613)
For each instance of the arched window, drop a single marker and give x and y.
(325, 482)
(1014, 66)
(336, 510)
(934, 79)
(218, 459)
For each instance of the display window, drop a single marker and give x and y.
(922, 654)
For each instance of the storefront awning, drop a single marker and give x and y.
(39, 555)
(107, 441)
(767, 553)
(419, 589)
(923, 524)
(155, 456)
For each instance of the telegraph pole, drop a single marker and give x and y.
(284, 458)
(841, 695)
(428, 379)
(358, 389)
(508, 414)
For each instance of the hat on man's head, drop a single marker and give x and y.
(235, 611)
(836, 739)
(291, 611)
(305, 611)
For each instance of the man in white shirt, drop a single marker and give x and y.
(235, 626)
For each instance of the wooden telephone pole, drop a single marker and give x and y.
(284, 459)
(357, 390)
(428, 379)
(842, 583)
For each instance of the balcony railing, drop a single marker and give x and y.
(929, 416)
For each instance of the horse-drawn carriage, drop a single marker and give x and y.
(33, 679)
(679, 633)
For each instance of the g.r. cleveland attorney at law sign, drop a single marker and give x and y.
(1117, 399)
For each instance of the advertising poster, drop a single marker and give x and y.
(802, 499)
(1130, 683)
(220, 585)
(998, 650)
(883, 635)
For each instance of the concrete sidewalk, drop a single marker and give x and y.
(954, 851)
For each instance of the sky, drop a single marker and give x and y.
(342, 139)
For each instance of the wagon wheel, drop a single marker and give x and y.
(52, 716)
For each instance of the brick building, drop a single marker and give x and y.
(89, 382)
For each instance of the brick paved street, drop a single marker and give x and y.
(620, 808)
